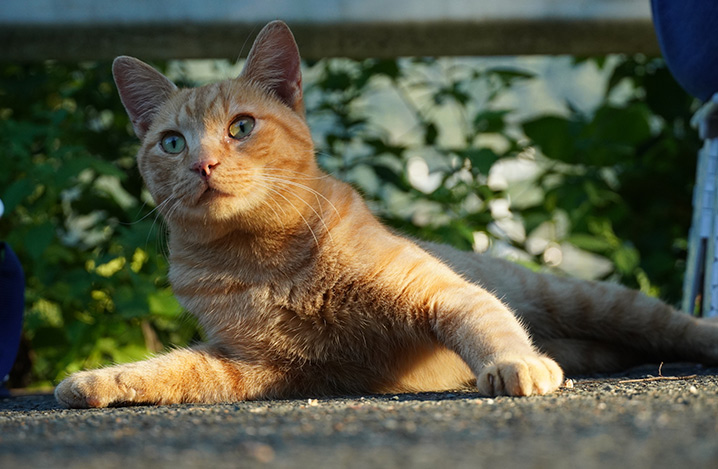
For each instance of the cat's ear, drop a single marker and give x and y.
(274, 62)
(142, 91)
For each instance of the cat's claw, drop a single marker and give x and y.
(523, 376)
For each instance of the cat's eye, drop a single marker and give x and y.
(241, 127)
(173, 143)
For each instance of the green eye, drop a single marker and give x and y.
(173, 143)
(241, 127)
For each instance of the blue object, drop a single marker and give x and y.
(688, 35)
(12, 304)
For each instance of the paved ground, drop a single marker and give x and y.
(600, 422)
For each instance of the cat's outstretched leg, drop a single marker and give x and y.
(183, 375)
(474, 323)
(496, 347)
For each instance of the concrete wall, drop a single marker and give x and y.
(155, 29)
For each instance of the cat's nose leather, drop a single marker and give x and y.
(205, 167)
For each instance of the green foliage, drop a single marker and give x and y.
(615, 182)
(76, 217)
(628, 184)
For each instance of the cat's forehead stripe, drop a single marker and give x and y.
(185, 112)
(193, 109)
(206, 104)
(212, 105)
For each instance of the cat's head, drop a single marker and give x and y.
(226, 154)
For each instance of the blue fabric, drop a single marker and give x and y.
(12, 304)
(688, 35)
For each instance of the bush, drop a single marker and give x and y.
(78, 219)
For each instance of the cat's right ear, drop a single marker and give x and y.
(143, 90)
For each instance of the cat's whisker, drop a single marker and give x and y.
(173, 204)
(306, 222)
(276, 214)
(316, 193)
(264, 185)
(268, 202)
(139, 211)
(319, 216)
(302, 186)
(148, 214)
(300, 174)
(295, 175)
(154, 222)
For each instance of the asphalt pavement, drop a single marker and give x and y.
(634, 420)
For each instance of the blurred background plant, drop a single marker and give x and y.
(602, 193)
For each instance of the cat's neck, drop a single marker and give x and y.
(273, 250)
(248, 256)
(239, 243)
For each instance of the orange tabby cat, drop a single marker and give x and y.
(302, 292)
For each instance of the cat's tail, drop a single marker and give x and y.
(595, 326)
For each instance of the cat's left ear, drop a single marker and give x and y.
(143, 90)
(274, 61)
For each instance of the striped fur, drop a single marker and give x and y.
(302, 292)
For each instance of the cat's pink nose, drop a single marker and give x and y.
(204, 167)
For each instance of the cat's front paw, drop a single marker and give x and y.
(520, 376)
(98, 388)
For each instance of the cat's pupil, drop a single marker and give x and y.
(241, 127)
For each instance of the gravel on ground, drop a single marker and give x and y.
(638, 419)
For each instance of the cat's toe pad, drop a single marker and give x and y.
(524, 376)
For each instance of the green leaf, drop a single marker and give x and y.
(16, 193)
(380, 146)
(388, 67)
(387, 174)
(431, 133)
(490, 121)
(626, 259)
(614, 133)
(163, 303)
(130, 304)
(590, 243)
(127, 354)
(554, 136)
(38, 238)
(336, 80)
(510, 75)
(482, 159)
(48, 337)
(533, 218)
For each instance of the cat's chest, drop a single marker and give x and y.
(304, 314)
(204, 289)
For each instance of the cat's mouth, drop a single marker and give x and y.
(209, 194)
